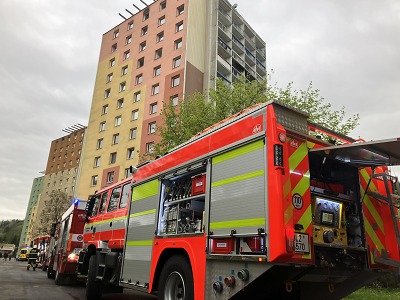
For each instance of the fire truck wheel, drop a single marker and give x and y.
(176, 280)
(50, 272)
(58, 280)
(93, 287)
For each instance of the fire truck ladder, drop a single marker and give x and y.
(392, 199)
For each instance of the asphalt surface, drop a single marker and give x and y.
(19, 284)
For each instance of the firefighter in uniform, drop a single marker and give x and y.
(32, 258)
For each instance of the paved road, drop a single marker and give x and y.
(19, 284)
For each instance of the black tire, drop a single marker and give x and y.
(50, 271)
(93, 286)
(57, 278)
(176, 280)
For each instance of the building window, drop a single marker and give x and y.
(146, 14)
(97, 162)
(163, 5)
(122, 86)
(112, 62)
(160, 36)
(158, 53)
(102, 126)
(139, 79)
(132, 133)
(128, 172)
(104, 109)
(153, 108)
(180, 10)
(178, 44)
(116, 33)
(175, 81)
(155, 89)
(109, 77)
(120, 103)
(117, 121)
(175, 100)
(113, 157)
(140, 62)
(107, 93)
(142, 46)
(157, 71)
(99, 143)
(176, 62)
(114, 47)
(152, 127)
(110, 177)
(130, 153)
(144, 30)
(115, 139)
(135, 114)
(93, 182)
(124, 70)
(128, 39)
(136, 97)
(179, 26)
(161, 21)
(126, 54)
(150, 147)
(130, 25)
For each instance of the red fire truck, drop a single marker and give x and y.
(42, 244)
(258, 206)
(106, 224)
(68, 243)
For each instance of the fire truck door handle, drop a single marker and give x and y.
(110, 224)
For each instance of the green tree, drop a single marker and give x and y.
(310, 101)
(199, 111)
(54, 207)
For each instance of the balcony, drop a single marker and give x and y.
(224, 79)
(224, 63)
(238, 47)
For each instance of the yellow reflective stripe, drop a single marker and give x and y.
(239, 151)
(297, 156)
(105, 221)
(238, 178)
(145, 190)
(286, 188)
(288, 213)
(143, 213)
(368, 202)
(306, 218)
(139, 243)
(238, 223)
(373, 235)
(310, 145)
(366, 177)
(373, 211)
(302, 185)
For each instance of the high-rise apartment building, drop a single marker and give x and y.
(62, 172)
(31, 209)
(169, 49)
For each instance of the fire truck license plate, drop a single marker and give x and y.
(301, 244)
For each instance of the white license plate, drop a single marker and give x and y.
(301, 244)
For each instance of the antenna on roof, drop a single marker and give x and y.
(144, 3)
(129, 12)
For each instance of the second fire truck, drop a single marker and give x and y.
(257, 206)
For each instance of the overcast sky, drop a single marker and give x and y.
(49, 54)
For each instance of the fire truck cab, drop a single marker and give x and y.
(261, 205)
